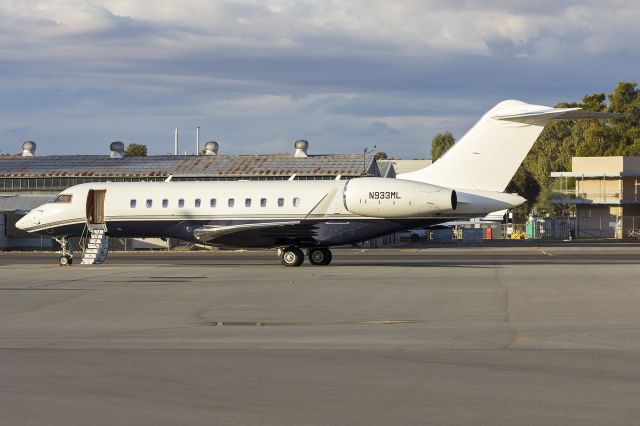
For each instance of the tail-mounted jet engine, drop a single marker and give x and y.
(394, 198)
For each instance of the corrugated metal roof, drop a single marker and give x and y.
(406, 166)
(386, 168)
(164, 165)
(13, 203)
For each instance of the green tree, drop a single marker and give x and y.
(625, 100)
(524, 184)
(381, 155)
(136, 150)
(593, 136)
(440, 144)
(563, 139)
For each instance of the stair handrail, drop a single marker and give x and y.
(83, 236)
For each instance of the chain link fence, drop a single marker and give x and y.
(564, 228)
(560, 228)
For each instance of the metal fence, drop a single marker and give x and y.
(561, 228)
(583, 227)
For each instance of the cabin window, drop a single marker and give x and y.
(280, 202)
(132, 203)
(212, 202)
(149, 203)
(247, 202)
(197, 202)
(296, 202)
(263, 202)
(165, 203)
(62, 198)
(231, 202)
(181, 202)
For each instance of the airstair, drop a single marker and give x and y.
(97, 246)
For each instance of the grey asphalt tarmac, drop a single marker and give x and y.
(507, 334)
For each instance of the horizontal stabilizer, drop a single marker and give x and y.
(557, 114)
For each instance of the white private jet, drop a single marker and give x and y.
(467, 181)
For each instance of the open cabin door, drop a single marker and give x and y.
(95, 205)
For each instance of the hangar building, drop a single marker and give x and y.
(28, 180)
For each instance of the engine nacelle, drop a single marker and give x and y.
(395, 198)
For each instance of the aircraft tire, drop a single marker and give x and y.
(64, 260)
(320, 256)
(292, 256)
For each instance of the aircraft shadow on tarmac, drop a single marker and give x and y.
(433, 260)
(421, 264)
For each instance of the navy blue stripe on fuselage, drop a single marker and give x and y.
(306, 234)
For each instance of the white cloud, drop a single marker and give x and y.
(58, 17)
(351, 72)
(410, 26)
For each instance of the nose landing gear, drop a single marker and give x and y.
(67, 251)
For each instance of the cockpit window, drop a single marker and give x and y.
(63, 198)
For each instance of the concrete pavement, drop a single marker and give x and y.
(495, 335)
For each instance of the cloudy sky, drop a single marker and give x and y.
(257, 75)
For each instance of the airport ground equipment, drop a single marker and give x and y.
(97, 246)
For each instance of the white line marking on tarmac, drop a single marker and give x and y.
(544, 252)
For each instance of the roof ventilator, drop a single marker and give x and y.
(301, 147)
(211, 148)
(28, 148)
(117, 149)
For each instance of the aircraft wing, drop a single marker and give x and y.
(495, 216)
(489, 219)
(258, 234)
(464, 222)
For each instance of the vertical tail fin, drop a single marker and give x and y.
(488, 155)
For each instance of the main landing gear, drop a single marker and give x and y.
(320, 256)
(67, 251)
(293, 256)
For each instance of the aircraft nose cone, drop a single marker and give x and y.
(22, 223)
(29, 220)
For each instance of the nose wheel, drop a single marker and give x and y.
(67, 251)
